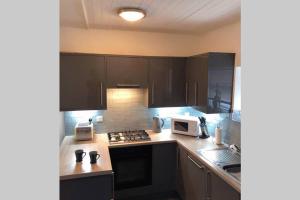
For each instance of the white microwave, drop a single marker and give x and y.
(186, 125)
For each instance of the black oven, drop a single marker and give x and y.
(132, 166)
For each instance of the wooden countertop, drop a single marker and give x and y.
(70, 169)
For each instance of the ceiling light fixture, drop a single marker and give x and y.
(132, 14)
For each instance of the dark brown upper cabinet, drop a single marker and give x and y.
(166, 85)
(193, 71)
(210, 82)
(204, 81)
(127, 71)
(178, 87)
(82, 82)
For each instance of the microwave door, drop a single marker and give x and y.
(181, 126)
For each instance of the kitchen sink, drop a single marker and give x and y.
(233, 170)
(225, 158)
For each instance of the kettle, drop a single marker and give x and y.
(157, 124)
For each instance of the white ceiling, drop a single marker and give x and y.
(178, 16)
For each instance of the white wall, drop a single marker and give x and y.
(126, 42)
(224, 39)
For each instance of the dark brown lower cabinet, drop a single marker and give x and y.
(220, 190)
(191, 177)
(91, 188)
(196, 182)
(164, 167)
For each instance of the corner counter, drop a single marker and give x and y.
(69, 169)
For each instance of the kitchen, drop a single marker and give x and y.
(96, 107)
(149, 110)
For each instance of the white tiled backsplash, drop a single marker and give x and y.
(126, 109)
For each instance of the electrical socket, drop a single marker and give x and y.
(99, 119)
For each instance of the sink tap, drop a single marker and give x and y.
(235, 148)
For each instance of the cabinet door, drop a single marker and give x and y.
(192, 80)
(203, 80)
(123, 71)
(91, 188)
(82, 82)
(196, 180)
(191, 178)
(220, 82)
(164, 167)
(181, 172)
(167, 82)
(209, 80)
(220, 190)
(178, 87)
(160, 88)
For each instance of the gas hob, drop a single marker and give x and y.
(128, 136)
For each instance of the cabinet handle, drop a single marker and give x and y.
(208, 195)
(186, 92)
(101, 88)
(201, 167)
(170, 81)
(128, 85)
(196, 91)
(152, 93)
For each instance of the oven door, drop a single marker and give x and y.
(132, 166)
